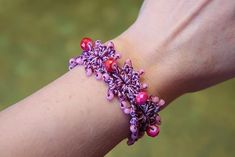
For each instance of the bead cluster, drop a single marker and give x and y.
(123, 82)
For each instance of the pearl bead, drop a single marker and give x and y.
(152, 130)
(141, 98)
(85, 43)
(109, 64)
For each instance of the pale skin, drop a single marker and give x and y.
(184, 46)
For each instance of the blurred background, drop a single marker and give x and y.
(38, 37)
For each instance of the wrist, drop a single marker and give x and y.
(158, 76)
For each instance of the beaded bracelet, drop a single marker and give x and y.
(123, 82)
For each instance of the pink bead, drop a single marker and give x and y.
(144, 86)
(161, 103)
(152, 130)
(98, 76)
(71, 61)
(110, 44)
(124, 105)
(155, 99)
(158, 120)
(110, 95)
(88, 72)
(117, 56)
(79, 61)
(128, 62)
(105, 76)
(141, 71)
(141, 98)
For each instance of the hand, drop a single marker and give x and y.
(184, 46)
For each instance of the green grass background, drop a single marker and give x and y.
(38, 37)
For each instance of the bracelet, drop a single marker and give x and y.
(123, 82)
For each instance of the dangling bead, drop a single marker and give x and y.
(141, 98)
(85, 43)
(110, 64)
(152, 130)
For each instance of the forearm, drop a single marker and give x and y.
(69, 117)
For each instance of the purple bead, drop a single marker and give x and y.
(130, 142)
(134, 136)
(133, 121)
(117, 56)
(127, 110)
(71, 67)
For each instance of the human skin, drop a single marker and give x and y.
(184, 46)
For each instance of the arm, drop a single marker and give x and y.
(71, 117)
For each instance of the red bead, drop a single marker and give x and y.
(109, 64)
(85, 42)
(152, 130)
(141, 98)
